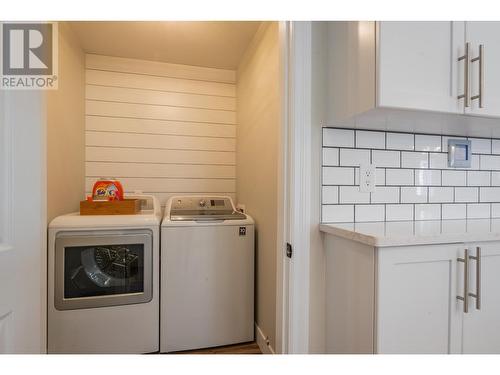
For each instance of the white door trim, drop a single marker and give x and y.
(23, 222)
(282, 265)
(299, 184)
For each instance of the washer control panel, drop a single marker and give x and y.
(202, 203)
(203, 208)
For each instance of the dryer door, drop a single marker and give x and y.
(102, 270)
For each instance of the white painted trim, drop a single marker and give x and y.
(282, 263)
(7, 172)
(25, 215)
(263, 343)
(44, 224)
(299, 183)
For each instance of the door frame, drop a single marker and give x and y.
(6, 246)
(23, 229)
(282, 262)
(294, 216)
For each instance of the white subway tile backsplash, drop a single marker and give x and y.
(330, 195)
(370, 139)
(495, 146)
(414, 160)
(453, 211)
(490, 162)
(495, 210)
(354, 157)
(413, 180)
(413, 194)
(372, 212)
(386, 158)
(399, 177)
(398, 212)
(338, 137)
(454, 178)
(495, 178)
(440, 194)
(438, 161)
(466, 194)
(338, 213)
(427, 142)
(427, 177)
(478, 178)
(351, 194)
(385, 195)
(338, 176)
(400, 141)
(478, 211)
(480, 145)
(489, 194)
(427, 211)
(331, 156)
(453, 226)
(475, 162)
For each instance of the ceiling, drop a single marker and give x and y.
(209, 44)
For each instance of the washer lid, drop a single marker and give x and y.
(204, 209)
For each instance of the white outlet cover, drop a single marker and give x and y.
(367, 178)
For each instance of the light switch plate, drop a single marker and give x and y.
(459, 153)
(367, 178)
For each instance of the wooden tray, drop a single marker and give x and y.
(124, 207)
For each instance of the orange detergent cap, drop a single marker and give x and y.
(107, 190)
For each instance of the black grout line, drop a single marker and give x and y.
(355, 148)
(409, 133)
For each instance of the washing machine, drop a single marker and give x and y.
(103, 282)
(207, 274)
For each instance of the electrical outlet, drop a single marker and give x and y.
(367, 178)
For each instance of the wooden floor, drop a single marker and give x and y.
(246, 348)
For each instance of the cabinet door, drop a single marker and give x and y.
(417, 308)
(418, 66)
(487, 34)
(481, 328)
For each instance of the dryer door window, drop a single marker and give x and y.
(97, 271)
(91, 271)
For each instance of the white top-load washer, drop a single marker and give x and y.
(103, 282)
(207, 274)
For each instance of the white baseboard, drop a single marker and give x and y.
(263, 343)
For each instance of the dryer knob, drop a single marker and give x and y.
(203, 203)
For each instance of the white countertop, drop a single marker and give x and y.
(401, 233)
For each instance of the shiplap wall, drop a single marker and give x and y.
(160, 128)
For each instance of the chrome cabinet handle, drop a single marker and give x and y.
(465, 57)
(477, 295)
(465, 298)
(480, 59)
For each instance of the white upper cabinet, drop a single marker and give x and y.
(484, 68)
(434, 67)
(417, 65)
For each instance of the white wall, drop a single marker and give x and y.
(66, 129)
(258, 140)
(160, 128)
